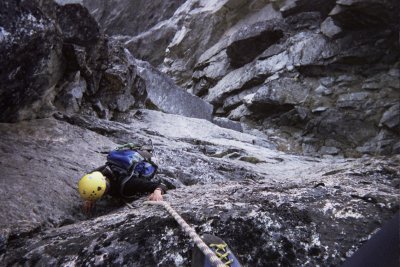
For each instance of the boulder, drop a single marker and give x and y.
(207, 73)
(238, 113)
(110, 76)
(163, 93)
(310, 49)
(384, 144)
(232, 102)
(323, 90)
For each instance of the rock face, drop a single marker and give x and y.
(272, 208)
(310, 67)
(129, 17)
(26, 32)
(132, 18)
(100, 78)
(167, 96)
(70, 94)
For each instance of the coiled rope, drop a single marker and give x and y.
(215, 261)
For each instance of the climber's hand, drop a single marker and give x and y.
(156, 195)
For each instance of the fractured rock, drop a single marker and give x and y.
(250, 41)
(72, 93)
(283, 93)
(227, 123)
(168, 97)
(330, 29)
(391, 117)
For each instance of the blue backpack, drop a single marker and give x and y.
(129, 161)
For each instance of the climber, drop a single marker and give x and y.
(128, 171)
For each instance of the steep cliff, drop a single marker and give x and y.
(324, 76)
(56, 59)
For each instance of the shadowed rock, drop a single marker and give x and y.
(250, 41)
(391, 118)
(77, 26)
(30, 52)
(362, 14)
(279, 94)
(129, 17)
(299, 6)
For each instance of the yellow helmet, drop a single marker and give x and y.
(92, 186)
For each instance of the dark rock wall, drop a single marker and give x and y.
(325, 81)
(322, 75)
(57, 59)
(130, 17)
(26, 33)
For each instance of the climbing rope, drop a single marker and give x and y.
(215, 261)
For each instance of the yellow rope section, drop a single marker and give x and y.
(215, 261)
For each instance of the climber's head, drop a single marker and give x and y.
(92, 186)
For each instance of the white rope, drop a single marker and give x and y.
(215, 261)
